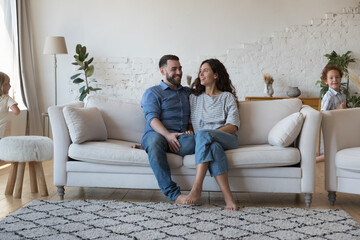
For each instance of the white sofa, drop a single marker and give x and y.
(256, 166)
(342, 151)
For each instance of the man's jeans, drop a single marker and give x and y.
(210, 146)
(156, 147)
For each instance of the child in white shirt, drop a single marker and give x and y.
(6, 102)
(334, 97)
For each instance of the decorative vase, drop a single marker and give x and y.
(293, 91)
(269, 89)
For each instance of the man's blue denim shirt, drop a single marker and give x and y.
(170, 106)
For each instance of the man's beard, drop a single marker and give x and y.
(172, 79)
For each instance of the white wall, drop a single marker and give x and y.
(138, 32)
(16, 125)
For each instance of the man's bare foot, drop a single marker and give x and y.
(181, 199)
(137, 146)
(193, 196)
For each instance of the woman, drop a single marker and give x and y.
(215, 120)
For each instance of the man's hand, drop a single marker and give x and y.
(188, 132)
(173, 142)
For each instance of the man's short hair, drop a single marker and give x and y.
(165, 58)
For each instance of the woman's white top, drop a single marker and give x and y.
(213, 112)
(5, 102)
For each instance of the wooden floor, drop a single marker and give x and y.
(348, 202)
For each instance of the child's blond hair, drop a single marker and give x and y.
(3, 78)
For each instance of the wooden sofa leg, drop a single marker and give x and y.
(61, 192)
(308, 198)
(332, 197)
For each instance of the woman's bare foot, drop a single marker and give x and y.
(137, 146)
(230, 203)
(232, 206)
(193, 196)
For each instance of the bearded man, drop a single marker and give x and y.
(167, 112)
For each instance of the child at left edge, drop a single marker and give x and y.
(6, 102)
(334, 97)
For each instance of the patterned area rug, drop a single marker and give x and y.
(146, 220)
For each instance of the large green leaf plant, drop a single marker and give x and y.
(342, 61)
(86, 71)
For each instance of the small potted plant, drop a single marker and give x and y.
(87, 70)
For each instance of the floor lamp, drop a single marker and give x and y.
(55, 45)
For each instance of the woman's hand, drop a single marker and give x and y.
(229, 128)
(188, 132)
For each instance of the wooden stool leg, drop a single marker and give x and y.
(41, 179)
(19, 180)
(32, 173)
(11, 179)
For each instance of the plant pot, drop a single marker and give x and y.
(293, 91)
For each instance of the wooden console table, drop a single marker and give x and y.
(312, 102)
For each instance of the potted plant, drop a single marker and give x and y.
(87, 70)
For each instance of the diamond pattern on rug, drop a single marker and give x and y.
(91, 219)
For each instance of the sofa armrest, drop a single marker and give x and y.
(340, 130)
(308, 140)
(61, 140)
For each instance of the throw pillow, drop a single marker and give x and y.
(286, 130)
(85, 124)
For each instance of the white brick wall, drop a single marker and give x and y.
(294, 57)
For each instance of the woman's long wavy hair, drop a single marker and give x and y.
(223, 82)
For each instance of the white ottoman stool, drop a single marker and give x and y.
(18, 150)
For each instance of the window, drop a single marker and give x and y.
(8, 53)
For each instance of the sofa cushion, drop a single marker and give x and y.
(85, 124)
(349, 159)
(256, 156)
(286, 130)
(117, 153)
(124, 119)
(258, 117)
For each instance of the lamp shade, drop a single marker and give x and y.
(55, 45)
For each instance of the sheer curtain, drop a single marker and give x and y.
(9, 55)
(22, 41)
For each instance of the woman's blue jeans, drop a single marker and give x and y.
(210, 146)
(156, 147)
